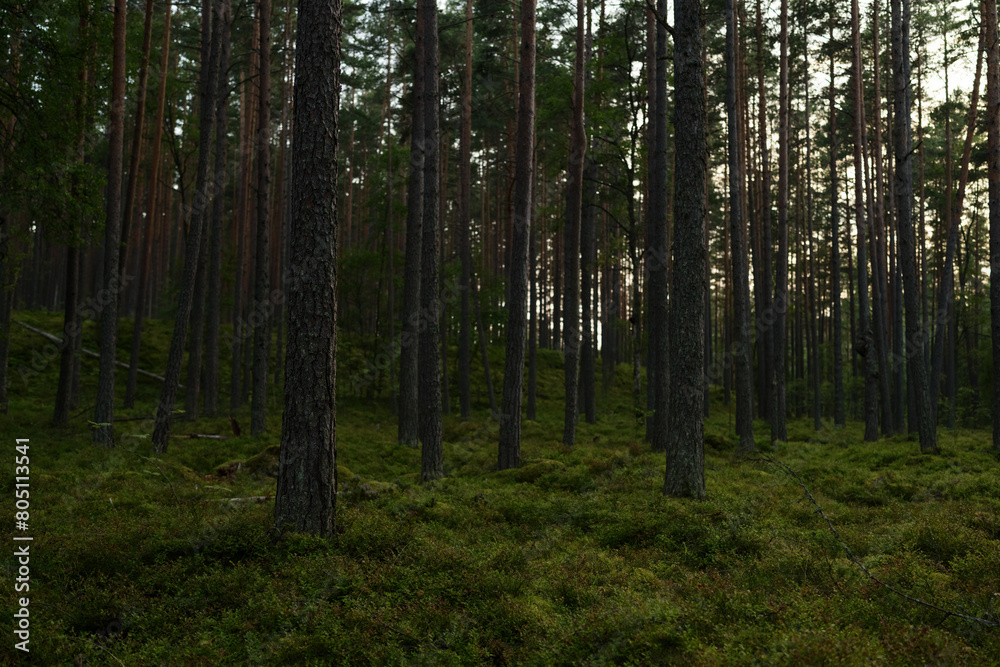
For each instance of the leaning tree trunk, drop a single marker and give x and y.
(209, 81)
(151, 213)
(104, 411)
(306, 497)
(136, 156)
(916, 364)
(685, 471)
(509, 455)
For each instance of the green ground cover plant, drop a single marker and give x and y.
(575, 558)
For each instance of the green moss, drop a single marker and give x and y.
(573, 558)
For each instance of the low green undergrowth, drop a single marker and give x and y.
(574, 558)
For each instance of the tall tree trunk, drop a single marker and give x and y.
(151, 213)
(509, 455)
(71, 317)
(879, 278)
(140, 117)
(209, 81)
(574, 213)
(741, 348)
(462, 231)
(992, 43)
(429, 354)
(658, 252)
(946, 287)
(408, 425)
(533, 325)
(262, 281)
(105, 409)
(864, 345)
(766, 364)
(839, 412)
(306, 497)
(685, 470)
(213, 309)
(779, 430)
(916, 365)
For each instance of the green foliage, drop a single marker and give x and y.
(573, 558)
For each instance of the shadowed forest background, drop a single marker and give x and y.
(447, 282)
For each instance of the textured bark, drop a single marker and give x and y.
(946, 287)
(262, 281)
(429, 354)
(737, 237)
(879, 278)
(71, 331)
(192, 393)
(765, 307)
(136, 156)
(992, 39)
(574, 212)
(779, 430)
(151, 214)
(864, 344)
(307, 475)
(588, 256)
(218, 214)
(839, 412)
(209, 80)
(105, 409)
(71, 317)
(462, 229)
(408, 425)
(916, 365)
(531, 408)
(658, 259)
(685, 471)
(509, 455)
(647, 320)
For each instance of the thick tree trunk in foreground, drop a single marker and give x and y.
(509, 455)
(307, 475)
(685, 472)
(105, 409)
(916, 364)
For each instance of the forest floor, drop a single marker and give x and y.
(576, 558)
